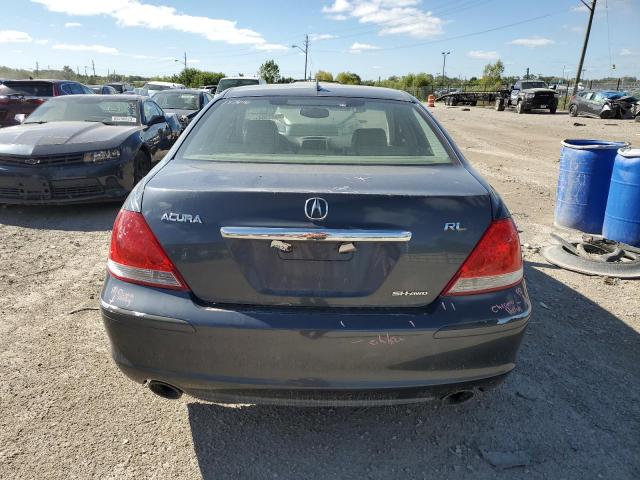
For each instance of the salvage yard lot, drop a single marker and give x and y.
(570, 410)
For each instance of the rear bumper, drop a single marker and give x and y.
(65, 184)
(314, 356)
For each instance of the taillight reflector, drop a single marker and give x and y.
(495, 262)
(136, 256)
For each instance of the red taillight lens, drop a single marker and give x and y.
(136, 256)
(495, 262)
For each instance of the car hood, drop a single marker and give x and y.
(536, 90)
(62, 137)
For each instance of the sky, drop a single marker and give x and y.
(373, 38)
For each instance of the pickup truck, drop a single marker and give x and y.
(527, 95)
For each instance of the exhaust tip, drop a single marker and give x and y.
(164, 390)
(457, 398)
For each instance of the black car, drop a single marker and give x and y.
(604, 104)
(315, 245)
(103, 89)
(18, 98)
(121, 87)
(186, 104)
(82, 148)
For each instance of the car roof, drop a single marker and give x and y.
(181, 90)
(320, 89)
(123, 96)
(239, 78)
(39, 80)
(154, 82)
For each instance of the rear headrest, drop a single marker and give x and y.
(261, 135)
(367, 140)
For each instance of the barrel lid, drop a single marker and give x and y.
(587, 144)
(629, 152)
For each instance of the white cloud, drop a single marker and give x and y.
(316, 37)
(339, 6)
(86, 48)
(136, 13)
(14, 36)
(484, 55)
(360, 47)
(392, 16)
(44, 41)
(72, 25)
(532, 42)
(625, 52)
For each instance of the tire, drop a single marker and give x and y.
(473, 103)
(573, 110)
(552, 110)
(519, 109)
(499, 105)
(141, 166)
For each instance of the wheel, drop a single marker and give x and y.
(141, 166)
(473, 103)
(573, 110)
(519, 109)
(499, 104)
(553, 109)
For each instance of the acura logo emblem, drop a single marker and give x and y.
(316, 208)
(32, 161)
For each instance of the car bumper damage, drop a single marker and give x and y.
(83, 183)
(313, 356)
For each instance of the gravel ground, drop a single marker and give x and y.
(571, 409)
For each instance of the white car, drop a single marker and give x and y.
(155, 87)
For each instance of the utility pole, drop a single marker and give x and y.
(526, 75)
(185, 60)
(592, 10)
(85, 72)
(93, 66)
(37, 69)
(444, 63)
(304, 50)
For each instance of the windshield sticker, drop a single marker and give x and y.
(124, 119)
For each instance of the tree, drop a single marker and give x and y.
(492, 74)
(270, 71)
(68, 73)
(323, 76)
(207, 78)
(348, 78)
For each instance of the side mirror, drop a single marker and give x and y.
(157, 119)
(553, 87)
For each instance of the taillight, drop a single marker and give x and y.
(495, 262)
(136, 256)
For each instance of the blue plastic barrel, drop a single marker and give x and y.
(583, 183)
(622, 216)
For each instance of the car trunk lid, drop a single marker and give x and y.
(393, 236)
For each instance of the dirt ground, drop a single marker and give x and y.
(571, 409)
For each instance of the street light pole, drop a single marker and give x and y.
(592, 10)
(444, 63)
(304, 50)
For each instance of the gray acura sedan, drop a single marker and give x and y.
(314, 244)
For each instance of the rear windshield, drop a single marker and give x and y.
(315, 130)
(177, 100)
(235, 82)
(110, 111)
(156, 87)
(27, 89)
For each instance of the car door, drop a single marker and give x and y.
(590, 104)
(514, 93)
(157, 135)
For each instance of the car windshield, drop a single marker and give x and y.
(527, 85)
(155, 87)
(27, 89)
(177, 100)
(315, 130)
(235, 82)
(111, 111)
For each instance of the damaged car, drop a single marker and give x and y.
(83, 148)
(604, 104)
(315, 244)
